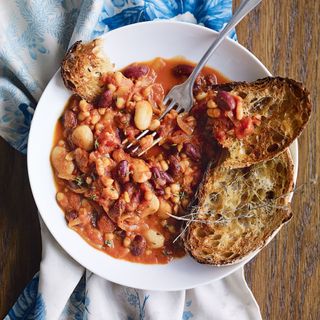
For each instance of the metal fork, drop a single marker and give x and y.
(181, 96)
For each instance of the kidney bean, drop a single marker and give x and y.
(121, 233)
(225, 101)
(192, 151)
(105, 99)
(182, 70)
(69, 119)
(159, 192)
(135, 71)
(167, 177)
(116, 211)
(161, 178)
(69, 140)
(71, 215)
(211, 79)
(174, 166)
(123, 168)
(157, 177)
(199, 84)
(123, 171)
(138, 245)
(156, 172)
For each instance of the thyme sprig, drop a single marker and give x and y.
(96, 144)
(109, 243)
(79, 181)
(246, 211)
(93, 197)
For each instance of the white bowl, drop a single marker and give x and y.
(137, 42)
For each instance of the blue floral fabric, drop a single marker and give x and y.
(212, 14)
(30, 304)
(139, 305)
(32, 43)
(78, 302)
(41, 30)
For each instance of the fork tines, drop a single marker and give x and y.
(171, 104)
(136, 149)
(141, 135)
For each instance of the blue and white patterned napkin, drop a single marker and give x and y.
(33, 38)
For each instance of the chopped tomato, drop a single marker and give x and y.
(220, 135)
(245, 128)
(157, 93)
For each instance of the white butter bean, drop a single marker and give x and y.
(140, 171)
(152, 206)
(63, 166)
(164, 209)
(143, 115)
(82, 137)
(154, 238)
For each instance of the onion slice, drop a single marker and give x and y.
(183, 125)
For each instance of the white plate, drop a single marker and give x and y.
(138, 42)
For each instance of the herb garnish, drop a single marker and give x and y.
(109, 243)
(93, 197)
(182, 195)
(79, 181)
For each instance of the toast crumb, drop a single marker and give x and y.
(83, 67)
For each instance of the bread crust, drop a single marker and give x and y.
(83, 67)
(284, 107)
(227, 243)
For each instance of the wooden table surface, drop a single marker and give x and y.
(285, 276)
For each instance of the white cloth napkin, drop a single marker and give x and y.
(33, 38)
(226, 299)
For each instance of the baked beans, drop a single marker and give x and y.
(121, 204)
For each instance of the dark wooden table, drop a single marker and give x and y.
(285, 276)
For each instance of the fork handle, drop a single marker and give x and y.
(245, 7)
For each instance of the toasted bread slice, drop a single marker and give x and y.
(83, 67)
(239, 210)
(284, 107)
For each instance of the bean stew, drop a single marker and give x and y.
(125, 205)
